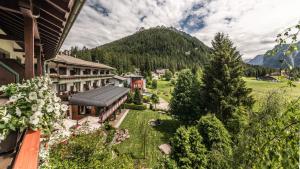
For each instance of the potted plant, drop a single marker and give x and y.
(32, 105)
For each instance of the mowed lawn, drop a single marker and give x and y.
(261, 88)
(164, 89)
(145, 139)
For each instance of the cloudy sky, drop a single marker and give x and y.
(251, 24)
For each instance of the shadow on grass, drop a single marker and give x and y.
(168, 127)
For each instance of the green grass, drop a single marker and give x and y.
(164, 90)
(261, 88)
(140, 132)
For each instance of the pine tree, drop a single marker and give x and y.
(137, 97)
(182, 102)
(223, 91)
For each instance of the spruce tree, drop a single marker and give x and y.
(223, 90)
(137, 97)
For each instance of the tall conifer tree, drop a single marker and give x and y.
(224, 92)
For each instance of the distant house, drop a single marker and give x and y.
(154, 75)
(118, 81)
(136, 82)
(267, 78)
(160, 72)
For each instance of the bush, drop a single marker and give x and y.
(146, 99)
(110, 135)
(135, 106)
(151, 107)
(154, 84)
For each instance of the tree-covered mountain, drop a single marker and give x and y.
(149, 49)
(278, 59)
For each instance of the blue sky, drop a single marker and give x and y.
(251, 24)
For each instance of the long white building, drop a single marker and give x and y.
(71, 75)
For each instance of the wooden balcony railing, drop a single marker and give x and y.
(110, 111)
(28, 155)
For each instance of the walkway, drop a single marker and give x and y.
(162, 105)
(119, 119)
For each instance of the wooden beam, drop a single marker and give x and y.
(54, 12)
(60, 5)
(29, 47)
(10, 6)
(28, 155)
(7, 37)
(39, 63)
(18, 50)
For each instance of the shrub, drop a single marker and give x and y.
(146, 99)
(154, 84)
(135, 106)
(87, 151)
(168, 75)
(110, 135)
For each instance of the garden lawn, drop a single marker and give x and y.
(164, 89)
(145, 137)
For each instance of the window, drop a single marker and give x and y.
(52, 70)
(62, 70)
(87, 72)
(77, 86)
(75, 71)
(95, 72)
(62, 87)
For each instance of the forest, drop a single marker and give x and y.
(149, 49)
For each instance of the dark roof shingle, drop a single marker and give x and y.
(100, 97)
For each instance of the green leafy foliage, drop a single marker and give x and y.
(154, 84)
(149, 49)
(188, 150)
(87, 151)
(217, 142)
(223, 91)
(168, 75)
(135, 106)
(182, 101)
(271, 139)
(154, 99)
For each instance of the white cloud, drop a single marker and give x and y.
(251, 24)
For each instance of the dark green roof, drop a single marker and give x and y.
(100, 97)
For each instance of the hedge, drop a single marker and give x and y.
(135, 106)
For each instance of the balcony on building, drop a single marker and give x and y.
(31, 32)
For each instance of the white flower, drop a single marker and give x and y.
(13, 98)
(40, 102)
(49, 108)
(6, 118)
(57, 113)
(34, 107)
(56, 99)
(37, 113)
(56, 106)
(2, 88)
(41, 94)
(32, 96)
(1, 137)
(39, 84)
(34, 120)
(64, 107)
(18, 111)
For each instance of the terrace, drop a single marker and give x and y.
(38, 28)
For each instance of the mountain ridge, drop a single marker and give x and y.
(149, 49)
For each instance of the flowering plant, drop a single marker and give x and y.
(32, 104)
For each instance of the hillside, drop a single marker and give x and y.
(278, 60)
(158, 47)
